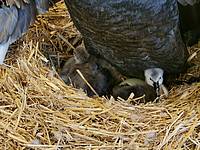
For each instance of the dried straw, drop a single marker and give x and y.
(39, 111)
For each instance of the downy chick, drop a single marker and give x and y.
(136, 86)
(96, 76)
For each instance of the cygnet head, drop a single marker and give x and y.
(154, 77)
(81, 55)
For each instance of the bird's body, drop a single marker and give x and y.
(15, 17)
(99, 78)
(132, 35)
(136, 86)
(94, 76)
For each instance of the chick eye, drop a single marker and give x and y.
(151, 79)
(160, 78)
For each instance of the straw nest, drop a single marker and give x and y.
(38, 111)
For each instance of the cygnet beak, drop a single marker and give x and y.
(157, 88)
(160, 89)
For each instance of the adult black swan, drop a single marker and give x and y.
(140, 37)
(15, 18)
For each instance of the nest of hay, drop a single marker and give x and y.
(38, 111)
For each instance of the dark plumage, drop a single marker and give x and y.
(15, 18)
(132, 35)
(190, 21)
(137, 87)
(99, 78)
